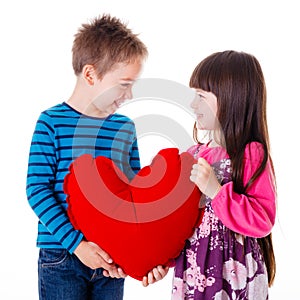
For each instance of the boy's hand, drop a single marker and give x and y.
(94, 257)
(204, 177)
(155, 275)
(116, 272)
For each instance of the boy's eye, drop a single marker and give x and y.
(125, 85)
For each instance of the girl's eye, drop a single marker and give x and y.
(200, 96)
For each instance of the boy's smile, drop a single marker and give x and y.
(115, 87)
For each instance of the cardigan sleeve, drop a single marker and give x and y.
(252, 214)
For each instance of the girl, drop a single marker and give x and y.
(230, 255)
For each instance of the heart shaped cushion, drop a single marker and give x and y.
(142, 223)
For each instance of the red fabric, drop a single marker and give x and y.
(143, 223)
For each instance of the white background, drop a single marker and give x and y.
(36, 73)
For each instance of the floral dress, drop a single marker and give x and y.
(218, 263)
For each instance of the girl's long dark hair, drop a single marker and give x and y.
(237, 80)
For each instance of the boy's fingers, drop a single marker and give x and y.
(105, 256)
(102, 253)
(122, 273)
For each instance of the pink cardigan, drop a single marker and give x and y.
(252, 215)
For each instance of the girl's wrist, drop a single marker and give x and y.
(216, 192)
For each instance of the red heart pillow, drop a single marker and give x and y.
(143, 223)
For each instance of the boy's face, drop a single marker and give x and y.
(115, 87)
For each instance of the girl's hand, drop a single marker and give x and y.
(204, 177)
(155, 275)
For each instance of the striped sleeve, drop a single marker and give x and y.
(134, 156)
(41, 178)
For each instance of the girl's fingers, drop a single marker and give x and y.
(194, 172)
(162, 271)
(193, 179)
(145, 281)
(203, 162)
(156, 274)
(150, 277)
(195, 167)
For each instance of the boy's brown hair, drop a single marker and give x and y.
(104, 42)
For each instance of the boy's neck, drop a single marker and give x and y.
(89, 110)
(82, 101)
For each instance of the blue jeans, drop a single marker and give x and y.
(63, 276)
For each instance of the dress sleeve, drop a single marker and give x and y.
(193, 149)
(252, 214)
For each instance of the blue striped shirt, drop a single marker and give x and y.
(61, 135)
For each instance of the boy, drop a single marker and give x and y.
(107, 59)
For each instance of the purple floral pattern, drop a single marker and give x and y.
(217, 263)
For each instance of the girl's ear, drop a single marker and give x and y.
(89, 74)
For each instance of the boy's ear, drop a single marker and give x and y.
(89, 74)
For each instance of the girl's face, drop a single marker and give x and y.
(205, 109)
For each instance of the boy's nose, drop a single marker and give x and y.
(128, 94)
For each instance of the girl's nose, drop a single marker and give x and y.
(195, 102)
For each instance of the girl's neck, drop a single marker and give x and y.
(212, 144)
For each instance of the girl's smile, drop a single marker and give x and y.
(205, 109)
